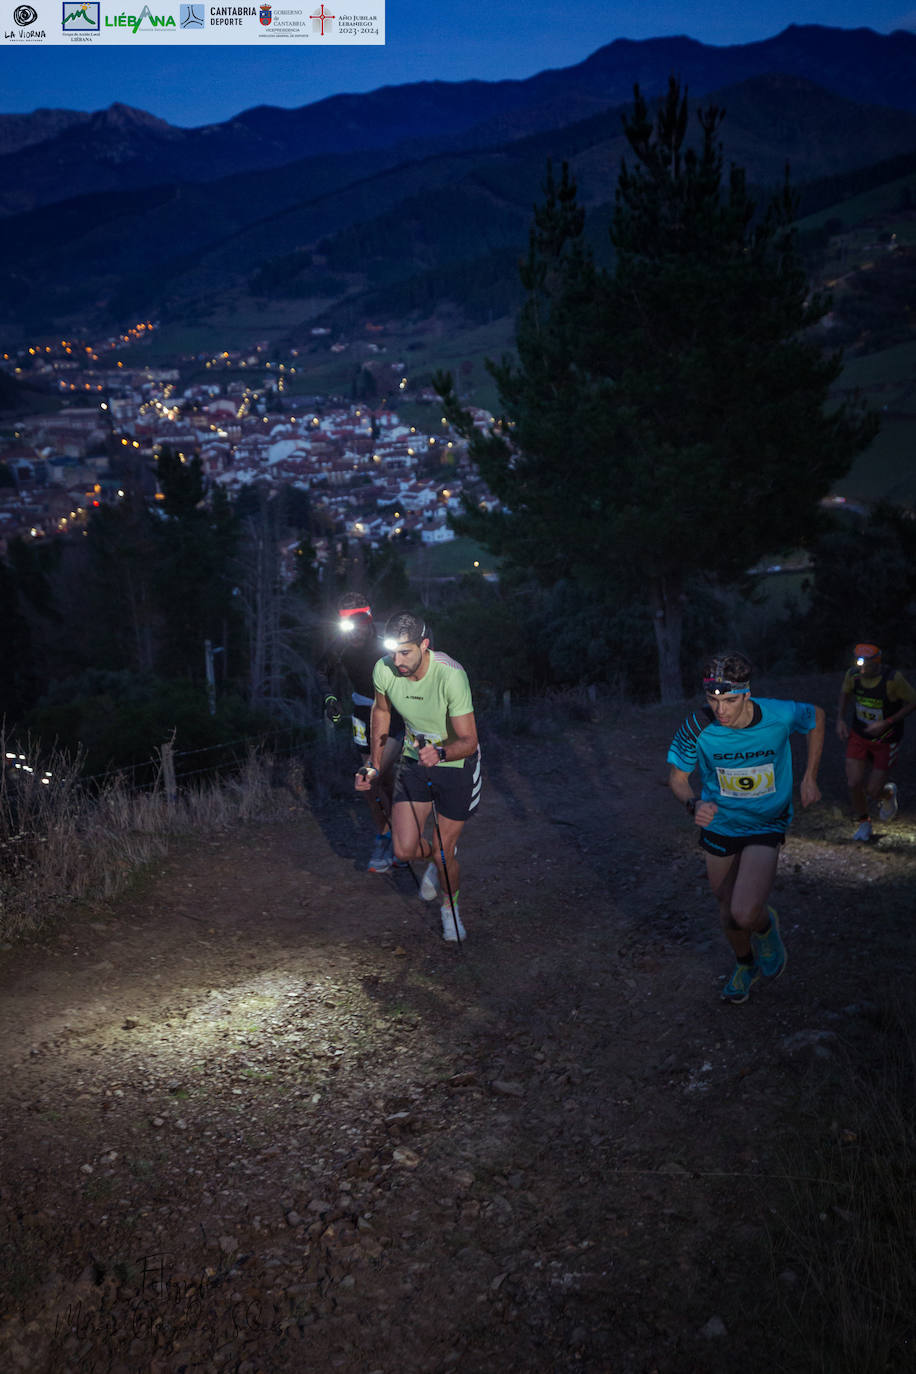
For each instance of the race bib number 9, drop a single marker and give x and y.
(757, 781)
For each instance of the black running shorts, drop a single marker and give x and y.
(456, 791)
(723, 845)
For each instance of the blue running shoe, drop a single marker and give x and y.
(738, 987)
(769, 950)
(380, 859)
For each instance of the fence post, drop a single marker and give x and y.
(168, 773)
(211, 677)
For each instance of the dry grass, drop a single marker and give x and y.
(61, 842)
(844, 1246)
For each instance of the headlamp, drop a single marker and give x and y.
(346, 615)
(721, 687)
(868, 654)
(391, 645)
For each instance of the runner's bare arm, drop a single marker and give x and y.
(461, 747)
(379, 727)
(903, 694)
(679, 782)
(810, 792)
(464, 744)
(842, 728)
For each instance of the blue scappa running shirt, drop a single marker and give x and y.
(747, 773)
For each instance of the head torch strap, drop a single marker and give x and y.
(719, 687)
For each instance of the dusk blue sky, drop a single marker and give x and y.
(433, 40)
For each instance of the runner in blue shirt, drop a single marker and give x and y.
(740, 746)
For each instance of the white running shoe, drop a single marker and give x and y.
(429, 884)
(864, 832)
(887, 809)
(448, 925)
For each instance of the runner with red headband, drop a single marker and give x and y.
(740, 746)
(882, 699)
(346, 669)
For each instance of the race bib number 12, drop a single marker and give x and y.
(757, 781)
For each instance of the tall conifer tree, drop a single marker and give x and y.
(668, 419)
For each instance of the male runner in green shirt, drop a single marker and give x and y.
(440, 761)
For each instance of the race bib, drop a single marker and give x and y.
(411, 739)
(868, 714)
(360, 738)
(756, 781)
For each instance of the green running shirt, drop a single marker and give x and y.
(428, 706)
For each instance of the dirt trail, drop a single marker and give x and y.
(256, 1116)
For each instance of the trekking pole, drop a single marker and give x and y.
(364, 771)
(421, 741)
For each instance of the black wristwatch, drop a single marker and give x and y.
(691, 806)
(440, 750)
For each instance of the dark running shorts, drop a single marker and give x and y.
(456, 791)
(723, 845)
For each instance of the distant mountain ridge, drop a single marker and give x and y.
(163, 220)
(54, 155)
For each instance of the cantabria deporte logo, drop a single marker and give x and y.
(136, 21)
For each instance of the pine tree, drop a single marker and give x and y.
(668, 419)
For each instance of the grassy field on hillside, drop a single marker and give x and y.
(891, 367)
(886, 471)
(884, 202)
(449, 560)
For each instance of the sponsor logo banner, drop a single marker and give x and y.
(201, 24)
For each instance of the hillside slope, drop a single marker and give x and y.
(256, 1113)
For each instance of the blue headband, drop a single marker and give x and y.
(720, 687)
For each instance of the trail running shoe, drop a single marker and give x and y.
(429, 884)
(449, 922)
(864, 832)
(769, 950)
(738, 987)
(380, 859)
(887, 809)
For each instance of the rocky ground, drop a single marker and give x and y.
(256, 1116)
